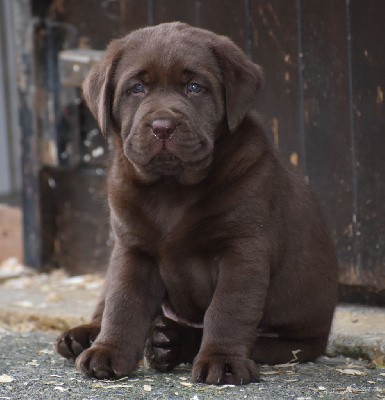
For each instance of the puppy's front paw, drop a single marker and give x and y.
(73, 342)
(222, 369)
(102, 361)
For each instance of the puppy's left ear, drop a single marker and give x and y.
(241, 78)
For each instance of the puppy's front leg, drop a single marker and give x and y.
(230, 322)
(133, 295)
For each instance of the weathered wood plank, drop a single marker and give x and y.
(174, 10)
(368, 87)
(226, 17)
(275, 48)
(327, 121)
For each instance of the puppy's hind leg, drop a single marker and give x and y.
(280, 350)
(170, 344)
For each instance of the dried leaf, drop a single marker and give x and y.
(188, 384)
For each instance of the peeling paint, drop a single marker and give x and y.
(380, 95)
(349, 230)
(275, 128)
(294, 158)
(99, 151)
(52, 183)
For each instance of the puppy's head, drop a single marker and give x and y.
(169, 92)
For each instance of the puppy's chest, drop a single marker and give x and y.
(169, 219)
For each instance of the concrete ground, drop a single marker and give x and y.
(34, 307)
(30, 369)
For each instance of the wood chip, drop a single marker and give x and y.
(60, 389)
(22, 304)
(269, 372)
(188, 384)
(287, 365)
(115, 386)
(350, 371)
(6, 378)
(223, 387)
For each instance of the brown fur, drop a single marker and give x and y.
(208, 223)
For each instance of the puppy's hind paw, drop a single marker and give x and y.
(73, 342)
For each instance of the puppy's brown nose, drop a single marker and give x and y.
(163, 128)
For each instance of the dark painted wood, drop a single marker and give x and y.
(77, 218)
(33, 239)
(368, 87)
(134, 15)
(226, 17)
(327, 121)
(275, 48)
(94, 148)
(174, 10)
(97, 22)
(360, 294)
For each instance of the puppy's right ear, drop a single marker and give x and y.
(98, 87)
(241, 79)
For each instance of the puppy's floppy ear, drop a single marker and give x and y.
(98, 87)
(241, 78)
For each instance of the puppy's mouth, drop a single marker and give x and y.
(165, 163)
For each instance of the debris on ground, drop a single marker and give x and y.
(31, 369)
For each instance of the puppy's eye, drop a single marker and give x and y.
(194, 88)
(138, 88)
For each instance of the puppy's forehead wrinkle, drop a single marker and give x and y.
(169, 46)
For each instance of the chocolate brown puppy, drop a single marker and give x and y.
(221, 256)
